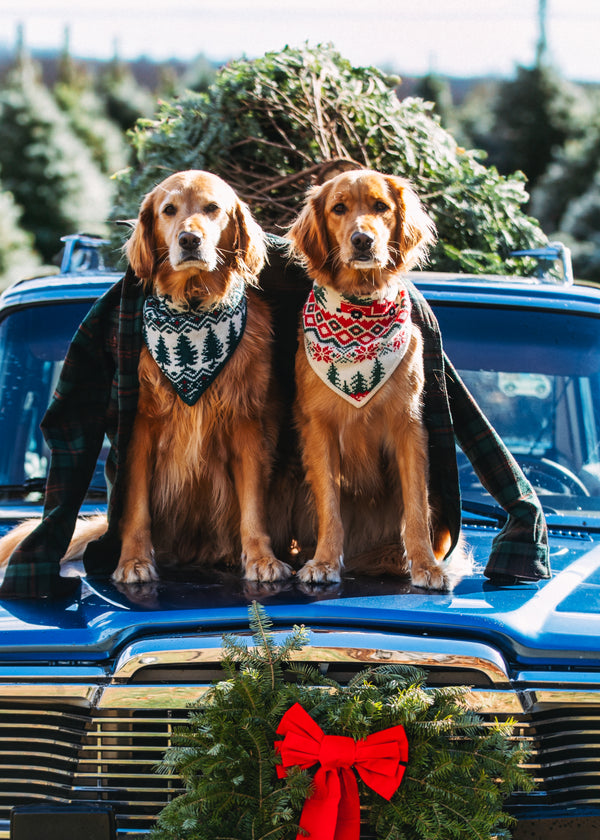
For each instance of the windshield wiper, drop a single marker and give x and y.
(38, 485)
(495, 512)
(30, 485)
(486, 509)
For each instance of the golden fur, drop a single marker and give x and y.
(196, 475)
(367, 466)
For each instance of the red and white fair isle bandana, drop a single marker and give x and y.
(355, 344)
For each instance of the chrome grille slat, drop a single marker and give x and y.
(564, 758)
(68, 754)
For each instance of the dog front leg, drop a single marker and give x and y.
(321, 452)
(249, 473)
(413, 464)
(136, 563)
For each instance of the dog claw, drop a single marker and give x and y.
(266, 570)
(430, 577)
(136, 570)
(317, 571)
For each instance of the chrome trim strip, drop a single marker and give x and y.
(83, 695)
(492, 702)
(325, 646)
(173, 696)
(140, 696)
(552, 696)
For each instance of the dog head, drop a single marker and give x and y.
(358, 229)
(192, 234)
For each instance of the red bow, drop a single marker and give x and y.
(333, 811)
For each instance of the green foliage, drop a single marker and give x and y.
(124, 100)
(535, 114)
(268, 125)
(567, 199)
(458, 774)
(88, 119)
(17, 256)
(49, 171)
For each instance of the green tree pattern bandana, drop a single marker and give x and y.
(192, 346)
(355, 344)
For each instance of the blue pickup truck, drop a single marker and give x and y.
(91, 688)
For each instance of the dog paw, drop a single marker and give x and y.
(135, 570)
(321, 571)
(266, 569)
(429, 576)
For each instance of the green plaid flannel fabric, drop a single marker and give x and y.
(97, 394)
(521, 549)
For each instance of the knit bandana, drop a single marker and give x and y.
(355, 344)
(191, 346)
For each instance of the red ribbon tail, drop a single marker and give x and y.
(319, 815)
(348, 821)
(333, 811)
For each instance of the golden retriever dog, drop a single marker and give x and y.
(196, 473)
(365, 454)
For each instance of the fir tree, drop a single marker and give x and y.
(377, 373)
(46, 167)
(232, 338)
(212, 350)
(162, 353)
(17, 257)
(320, 295)
(185, 352)
(358, 383)
(333, 376)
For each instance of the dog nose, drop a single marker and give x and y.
(188, 241)
(361, 241)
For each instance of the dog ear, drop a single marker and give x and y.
(415, 230)
(139, 248)
(308, 233)
(249, 244)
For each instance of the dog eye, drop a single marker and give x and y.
(169, 210)
(381, 207)
(339, 209)
(211, 208)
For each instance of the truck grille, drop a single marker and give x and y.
(67, 753)
(565, 755)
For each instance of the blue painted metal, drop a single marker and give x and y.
(549, 623)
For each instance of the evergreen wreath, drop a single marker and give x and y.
(459, 770)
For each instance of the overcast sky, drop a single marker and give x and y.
(454, 37)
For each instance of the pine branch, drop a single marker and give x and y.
(460, 768)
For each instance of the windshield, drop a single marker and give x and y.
(33, 343)
(536, 375)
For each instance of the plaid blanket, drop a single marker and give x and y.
(97, 395)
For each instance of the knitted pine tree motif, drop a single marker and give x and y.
(191, 346)
(355, 344)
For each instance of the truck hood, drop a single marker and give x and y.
(551, 622)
